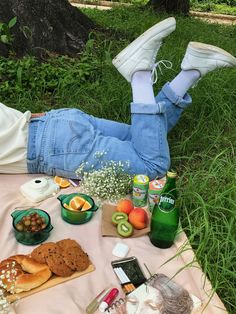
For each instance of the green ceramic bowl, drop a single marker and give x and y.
(31, 238)
(76, 217)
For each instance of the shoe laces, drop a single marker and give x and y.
(158, 65)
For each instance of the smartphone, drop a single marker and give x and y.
(129, 269)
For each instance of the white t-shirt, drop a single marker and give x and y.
(13, 140)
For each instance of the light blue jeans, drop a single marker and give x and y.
(63, 139)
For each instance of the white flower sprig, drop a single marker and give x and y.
(110, 182)
(4, 305)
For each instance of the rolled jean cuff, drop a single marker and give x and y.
(156, 108)
(181, 102)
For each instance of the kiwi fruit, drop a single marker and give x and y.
(118, 216)
(125, 229)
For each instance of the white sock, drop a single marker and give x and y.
(184, 81)
(142, 89)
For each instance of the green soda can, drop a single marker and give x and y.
(140, 190)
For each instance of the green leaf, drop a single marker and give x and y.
(19, 75)
(12, 22)
(4, 39)
(4, 28)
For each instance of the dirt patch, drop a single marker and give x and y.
(215, 18)
(208, 17)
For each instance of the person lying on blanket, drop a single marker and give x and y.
(59, 141)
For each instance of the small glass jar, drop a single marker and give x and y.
(30, 237)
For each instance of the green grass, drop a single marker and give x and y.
(219, 7)
(209, 6)
(202, 145)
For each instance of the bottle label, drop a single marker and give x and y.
(166, 204)
(154, 192)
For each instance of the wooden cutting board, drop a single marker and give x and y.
(53, 281)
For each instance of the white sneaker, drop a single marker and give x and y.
(140, 55)
(206, 58)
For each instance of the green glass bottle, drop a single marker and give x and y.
(165, 215)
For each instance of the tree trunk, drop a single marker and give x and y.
(170, 6)
(44, 26)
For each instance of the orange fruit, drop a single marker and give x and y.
(86, 206)
(63, 183)
(67, 206)
(76, 203)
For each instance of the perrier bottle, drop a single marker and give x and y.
(165, 215)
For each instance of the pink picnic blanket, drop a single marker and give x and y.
(73, 296)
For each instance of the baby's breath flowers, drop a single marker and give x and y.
(4, 305)
(110, 182)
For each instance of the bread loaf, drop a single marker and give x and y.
(22, 273)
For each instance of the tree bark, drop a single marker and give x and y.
(171, 6)
(45, 26)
